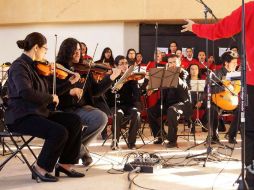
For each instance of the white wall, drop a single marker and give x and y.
(131, 36)
(106, 34)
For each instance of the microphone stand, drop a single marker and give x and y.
(207, 142)
(243, 184)
(161, 90)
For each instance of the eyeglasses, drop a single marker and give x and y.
(45, 48)
(123, 63)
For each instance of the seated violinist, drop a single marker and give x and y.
(127, 106)
(79, 100)
(27, 112)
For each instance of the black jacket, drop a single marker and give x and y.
(179, 94)
(129, 95)
(92, 89)
(28, 92)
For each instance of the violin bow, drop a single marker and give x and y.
(89, 70)
(54, 68)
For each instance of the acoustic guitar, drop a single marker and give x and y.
(227, 100)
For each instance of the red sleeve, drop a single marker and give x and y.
(225, 28)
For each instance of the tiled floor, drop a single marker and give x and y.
(179, 172)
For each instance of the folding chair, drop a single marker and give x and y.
(25, 143)
(187, 123)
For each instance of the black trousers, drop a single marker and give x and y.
(173, 115)
(123, 115)
(235, 124)
(62, 134)
(217, 122)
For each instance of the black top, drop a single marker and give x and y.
(179, 94)
(28, 92)
(216, 84)
(92, 89)
(216, 88)
(129, 95)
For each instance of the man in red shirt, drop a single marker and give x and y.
(189, 58)
(225, 28)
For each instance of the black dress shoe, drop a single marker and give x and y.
(86, 158)
(113, 147)
(171, 145)
(69, 173)
(158, 141)
(132, 146)
(215, 140)
(232, 141)
(39, 177)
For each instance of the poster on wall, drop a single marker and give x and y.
(222, 50)
(163, 49)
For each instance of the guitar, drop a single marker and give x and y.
(227, 100)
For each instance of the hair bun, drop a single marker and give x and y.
(22, 44)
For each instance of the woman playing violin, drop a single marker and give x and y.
(27, 113)
(80, 101)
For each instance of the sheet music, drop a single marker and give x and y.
(236, 75)
(197, 85)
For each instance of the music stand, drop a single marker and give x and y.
(118, 85)
(197, 86)
(160, 78)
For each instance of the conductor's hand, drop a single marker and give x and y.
(115, 73)
(55, 99)
(74, 78)
(188, 26)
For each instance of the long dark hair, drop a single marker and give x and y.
(66, 51)
(31, 40)
(199, 73)
(228, 56)
(103, 58)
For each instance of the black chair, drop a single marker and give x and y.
(124, 130)
(187, 123)
(24, 143)
(187, 126)
(6, 133)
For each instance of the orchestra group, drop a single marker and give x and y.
(70, 105)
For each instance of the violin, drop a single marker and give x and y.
(45, 69)
(93, 67)
(136, 76)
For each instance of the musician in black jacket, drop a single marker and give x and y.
(128, 106)
(229, 60)
(176, 102)
(27, 112)
(80, 101)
